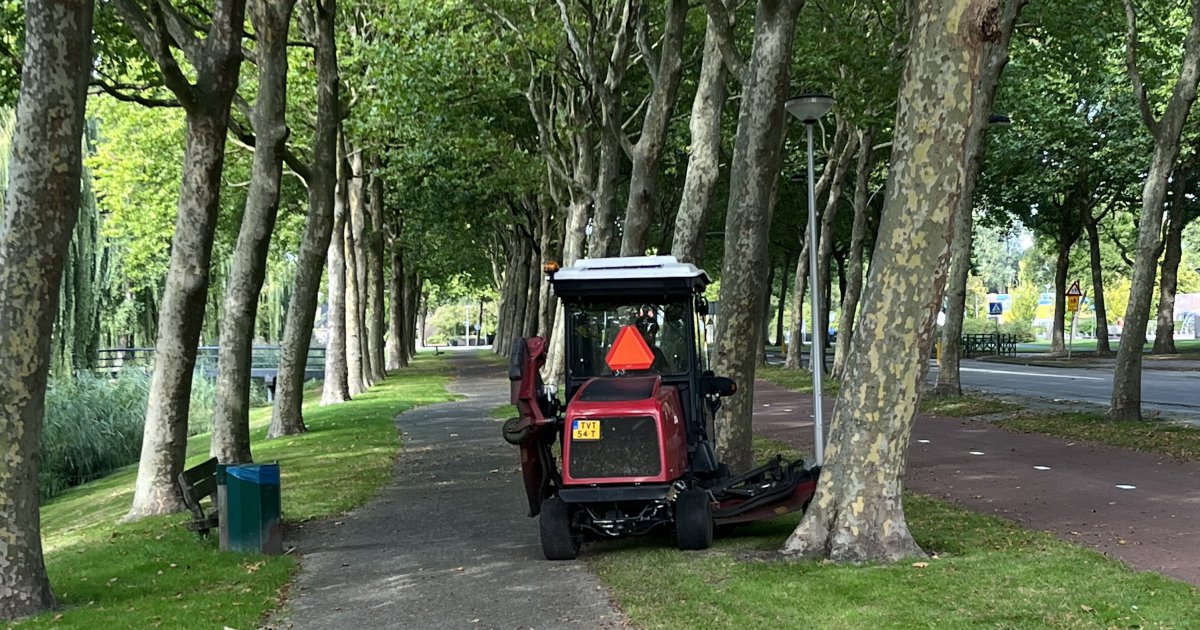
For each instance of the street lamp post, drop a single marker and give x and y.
(809, 108)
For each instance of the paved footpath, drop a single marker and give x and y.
(1141, 508)
(447, 544)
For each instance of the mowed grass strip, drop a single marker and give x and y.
(1147, 436)
(987, 573)
(795, 380)
(964, 406)
(155, 574)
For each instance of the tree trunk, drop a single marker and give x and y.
(375, 325)
(336, 388)
(825, 247)
(857, 514)
(854, 272)
(397, 350)
(416, 305)
(994, 61)
(1164, 337)
(181, 313)
(231, 415)
(783, 292)
(766, 317)
(1062, 266)
(1089, 223)
(532, 303)
(795, 348)
(647, 153)
(356, 280)
(573, 235)
(1127, 377)
(755, 172)
(287, 417)
(704, 160)
(40, 208)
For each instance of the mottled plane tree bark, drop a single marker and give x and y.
(792, 360)
(704, 157)
(816, 355)
(356, 278)
(854, 271)
(375, 297)
(318, 18)
(215, 62)
(1091, 223)
(994, 61)
(646, 153)
(231, 415)
(757, 158)
(336, 387)
(41, 204)
(1178, 218)
(857, 514)
(601, 58)
(1166, 131)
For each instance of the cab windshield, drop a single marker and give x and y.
(593, 328)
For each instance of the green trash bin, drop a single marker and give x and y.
(250, 522)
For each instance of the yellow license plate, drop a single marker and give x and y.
(585, 430)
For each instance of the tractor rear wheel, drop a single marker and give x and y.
(693, 520)
(558, 541)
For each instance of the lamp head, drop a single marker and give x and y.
(809, 108)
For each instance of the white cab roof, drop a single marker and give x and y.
(629, 267)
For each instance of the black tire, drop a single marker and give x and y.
(693, 520)
(554, 523)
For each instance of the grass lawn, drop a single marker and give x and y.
(1148, 436)
(155, 574)
(1183, 346)
(988, 573)
(964, 406)
(796, 380)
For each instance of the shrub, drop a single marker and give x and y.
(93, 425)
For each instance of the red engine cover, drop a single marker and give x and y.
(640, 436)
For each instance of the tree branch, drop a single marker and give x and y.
(722, 18)
(1135, 76)
(150, 36)
(118, 92)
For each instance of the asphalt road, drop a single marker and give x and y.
(1167, 391)
(1176, 392)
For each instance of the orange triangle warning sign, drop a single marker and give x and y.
(629, 351)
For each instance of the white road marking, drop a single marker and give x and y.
(1041, 468)
(1082, 378)
(923, 441)
(976, 453)
(1126, 487)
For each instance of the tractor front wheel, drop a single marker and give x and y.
(693, 520)
(554, 522)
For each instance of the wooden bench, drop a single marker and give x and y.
(198, 483)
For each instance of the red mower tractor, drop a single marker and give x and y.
(635, 439)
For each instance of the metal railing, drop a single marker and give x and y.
(113, 360)
(998, 344)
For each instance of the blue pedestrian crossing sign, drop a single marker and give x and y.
(995, 308)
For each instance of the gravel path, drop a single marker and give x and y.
(447, 544)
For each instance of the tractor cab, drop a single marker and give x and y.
(636, 433)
